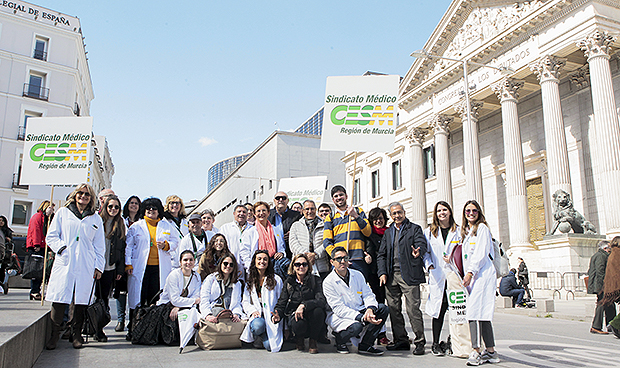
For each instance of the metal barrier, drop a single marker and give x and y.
(574, 281)
(570, 281)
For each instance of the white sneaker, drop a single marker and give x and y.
(490, 357)
(474, 358)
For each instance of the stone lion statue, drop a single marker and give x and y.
(566, 217)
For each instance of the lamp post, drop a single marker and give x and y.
(476, 193)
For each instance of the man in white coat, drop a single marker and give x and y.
(233, 231)
(353, 305)
(196, 240)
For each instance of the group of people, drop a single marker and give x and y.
(604, 281)
(279, 271)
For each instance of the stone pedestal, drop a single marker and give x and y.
(564, 252)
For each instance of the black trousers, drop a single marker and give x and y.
(438, 322)
(372, 332)
(312, 325)
(150, 285)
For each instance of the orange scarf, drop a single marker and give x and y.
(266, 238)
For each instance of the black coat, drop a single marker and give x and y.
(288, 218)
(523, 273)
(508, 283)
(373, 243)
(294, 293)
(596, 272)
(411, 268)
(117, 253)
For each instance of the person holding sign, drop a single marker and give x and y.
(35, 240)
(76, 235)
(480, 280)
(150, 242)
(442, 236)
(351, 220)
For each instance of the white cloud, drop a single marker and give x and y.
(206, 141)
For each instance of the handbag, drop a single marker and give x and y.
(97, 314)
(224, 334)
(33, 267)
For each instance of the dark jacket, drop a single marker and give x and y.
(508, 283)
(293, 294)
(523, 273)
(596, 272)
(288, 218)
(373, 243)
(117, 253)
(411, 268)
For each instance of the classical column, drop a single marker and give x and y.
(547, 70)
(471, 151)
(415, 136)
(607, 132)
(440, 125)
(516, 194)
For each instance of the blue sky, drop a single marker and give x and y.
(179, 86)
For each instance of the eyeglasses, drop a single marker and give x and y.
(342, 259)
(472, 211)
(227, 264)
(83, 194)
(280, 198)
(300, 264)
(114, 207)
(174, 203)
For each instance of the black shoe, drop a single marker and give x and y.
(101, 337)
(401, 345)
(324, 340)
(128, 337)
(342, 348)
(419, 349)
(437, 350)
(120, 326)
(370, 350)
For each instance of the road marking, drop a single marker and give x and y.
(555, 355)
(574, 338)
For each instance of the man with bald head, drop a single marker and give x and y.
(282, 218)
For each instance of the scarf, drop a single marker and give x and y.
(611, 285)
(311, 224)
(378, 231)
(266, 238)
(73, 208)
(153, 258)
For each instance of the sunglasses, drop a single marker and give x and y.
(280, 198)
(114, 207)
(151, 208)
(227, 264)
(84, 194)
(342, 259)
(173, 203)
(474, 211)
(300, 264)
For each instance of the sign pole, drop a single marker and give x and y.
(352, 199)
(45, 250)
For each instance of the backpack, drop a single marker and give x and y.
(500, 261)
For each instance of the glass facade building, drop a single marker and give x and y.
(314, 125)
(219, 171)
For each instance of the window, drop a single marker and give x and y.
(270, 185)
(35, 87)
(356, 191)
(21, 212)
(397, 181)
(247, 199)
(40, 48)
(375, 183)
(262, 189)
(253, 196)
(429, 162)
(21, 132)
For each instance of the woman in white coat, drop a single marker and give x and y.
(259, 301)
(480, 281)
(222, 290)
(174, 213)
(147, 256)
(77, 237)
(178, 280)
(442, 235)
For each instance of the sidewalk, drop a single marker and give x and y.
(579, 309)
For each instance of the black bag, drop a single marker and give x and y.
(33, 267)
(146, 325)
(97, 315)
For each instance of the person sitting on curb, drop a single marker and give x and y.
(508, 287)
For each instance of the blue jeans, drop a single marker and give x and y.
(258, 327)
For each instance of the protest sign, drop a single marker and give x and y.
(360, 113)
(457, 305)
(303, 188)
(56, 150)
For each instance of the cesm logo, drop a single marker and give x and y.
(362, 115)
(456, 297)
(58, 152)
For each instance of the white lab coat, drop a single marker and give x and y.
(73, 270)
(181, 231)
(211, 291)
(234, 238)
(174, 287)
(437, 276)
(186, 244)
(481, 298)
(251, 304)
(345, 301)
(137, 254)
(250, 246)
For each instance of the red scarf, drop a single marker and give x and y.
(266, 238)
(377, 230)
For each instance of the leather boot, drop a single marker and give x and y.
(78, 323)
(312, 347)
(78, 341)
(53, 341)
(56, 315)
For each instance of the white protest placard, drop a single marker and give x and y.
(45, 191)
(300, 189)
(56, 150)
(360, 113)
(457, 304)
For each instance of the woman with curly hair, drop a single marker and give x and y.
(217, 247)
(259, 301)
